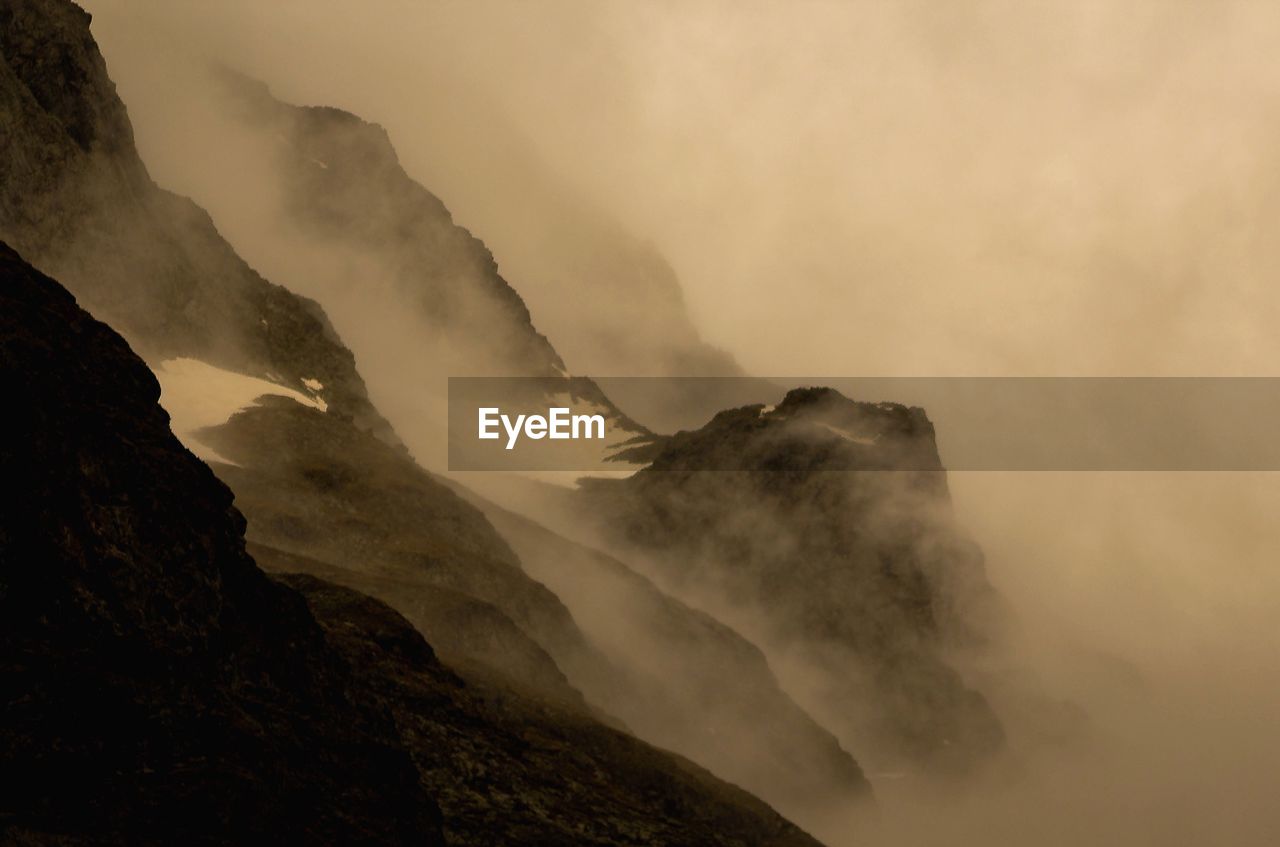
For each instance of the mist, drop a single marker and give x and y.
(989, 189)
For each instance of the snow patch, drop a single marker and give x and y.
(764, 410)
(198, 395)
(313, 384)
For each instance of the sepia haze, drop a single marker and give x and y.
(989, 189)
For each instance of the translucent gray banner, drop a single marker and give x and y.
(865, 423)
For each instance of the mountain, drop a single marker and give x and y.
(337, 187)
(159, 688)
(320, 477)
(821, 528)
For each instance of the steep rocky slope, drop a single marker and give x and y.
(158, 688)
(821, 528)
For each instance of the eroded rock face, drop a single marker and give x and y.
(799, 524)
(158, 688)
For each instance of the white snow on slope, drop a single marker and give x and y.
(198, 395)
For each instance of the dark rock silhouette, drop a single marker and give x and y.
(158, 688)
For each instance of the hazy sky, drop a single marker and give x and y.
(847, 188)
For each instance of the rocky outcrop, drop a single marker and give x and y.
(822, 528)
(158, 688)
